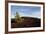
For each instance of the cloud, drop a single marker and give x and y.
(34, 14)
(24, 11)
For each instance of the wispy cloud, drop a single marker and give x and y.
(29, 11)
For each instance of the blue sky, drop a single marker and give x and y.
(29, 11)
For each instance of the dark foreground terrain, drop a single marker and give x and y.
(28, 22)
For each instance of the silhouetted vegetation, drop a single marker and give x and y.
(27, 22)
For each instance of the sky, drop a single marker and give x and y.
(27, 11)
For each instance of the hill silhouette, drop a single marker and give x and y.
(28, 22)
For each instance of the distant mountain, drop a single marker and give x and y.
(26, 16)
